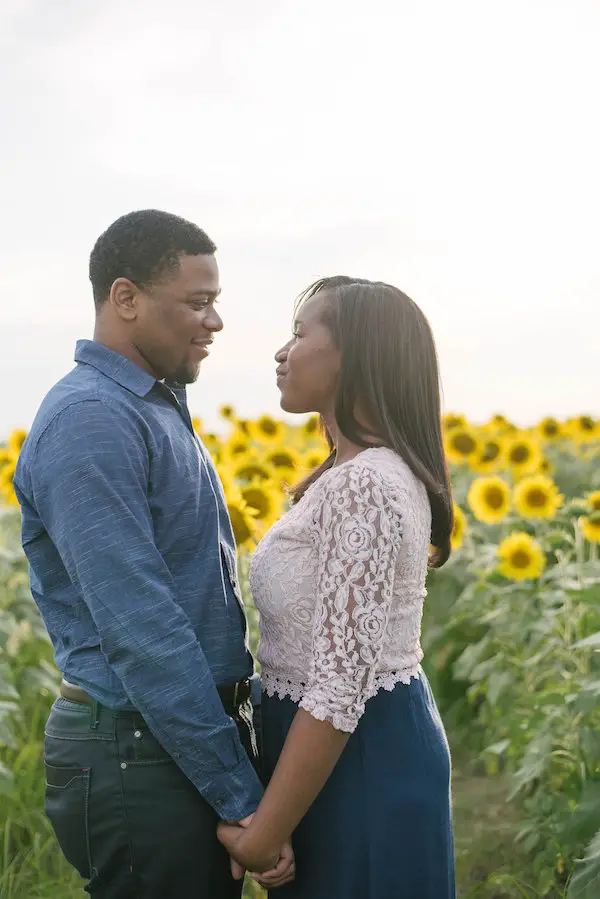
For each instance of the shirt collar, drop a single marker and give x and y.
(114, 366)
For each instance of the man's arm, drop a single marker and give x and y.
(90, 475)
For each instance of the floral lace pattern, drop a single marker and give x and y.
(339, 583)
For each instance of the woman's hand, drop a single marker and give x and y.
(273, 867)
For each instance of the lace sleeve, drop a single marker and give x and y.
(357, 529)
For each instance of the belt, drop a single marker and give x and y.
(232, 695)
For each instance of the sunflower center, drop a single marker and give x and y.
(251, 471)
(587, 423)
(536, 497)
(551, 428)
(258, 500)
(519, 453)
(281, 460)
(491, 452)
(520, 559)
(464, 444)
(268, 426)
(494, 497)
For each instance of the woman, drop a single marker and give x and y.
(354, 747)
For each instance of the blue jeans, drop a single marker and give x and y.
(125, 815)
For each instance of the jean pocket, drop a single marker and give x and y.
(66, 805)
(142, 748)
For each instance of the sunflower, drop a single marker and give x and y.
(249, 468)
(590, 527)
(227, 412)
(462, 444)
(197, 424)
(593, 501)
(311, 426)
(16, 440)
(521, 557)
(283, 457)
(459, 528)
(267, 430)
(7, 473)
(313, 458)
(6, 457)
(549, 429)
(524, 455)
(490, 455)
(489, 499)
(498, 424)
(583, 429)
(242, 521)
(237, 445)
(537, 496)
(264, 498)
(450, 421)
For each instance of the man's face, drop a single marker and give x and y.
(176, 320)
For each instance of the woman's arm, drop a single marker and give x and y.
(357, 535)
(310, 753)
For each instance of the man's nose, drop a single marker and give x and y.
(213, 320)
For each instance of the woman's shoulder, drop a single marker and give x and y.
(372, 468)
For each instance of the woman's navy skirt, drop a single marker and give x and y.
(382, 826)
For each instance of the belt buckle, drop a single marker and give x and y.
(236, 688)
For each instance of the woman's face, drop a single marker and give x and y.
(309, 363)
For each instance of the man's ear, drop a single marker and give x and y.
(124, 297)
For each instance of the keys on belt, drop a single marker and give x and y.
(232, 695)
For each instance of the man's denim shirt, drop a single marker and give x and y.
(133, 564)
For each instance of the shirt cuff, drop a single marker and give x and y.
(235, 793)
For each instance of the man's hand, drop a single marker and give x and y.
(272, 868)
(237, 871)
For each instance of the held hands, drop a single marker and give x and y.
(277, 865)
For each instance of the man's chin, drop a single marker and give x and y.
(186, 376)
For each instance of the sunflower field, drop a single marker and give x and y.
(511, 635)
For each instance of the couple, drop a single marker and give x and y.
(153, 782)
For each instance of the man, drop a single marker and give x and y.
(133, 567)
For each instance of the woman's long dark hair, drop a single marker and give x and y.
(389, 370)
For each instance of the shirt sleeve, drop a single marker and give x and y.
(357, 530)
(91, 493)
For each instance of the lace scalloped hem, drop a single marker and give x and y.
(273, 685)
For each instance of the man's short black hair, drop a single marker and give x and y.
(143, 246)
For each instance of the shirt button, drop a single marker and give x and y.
(123, 765)
(137, 734)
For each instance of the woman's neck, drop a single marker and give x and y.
(344, 449)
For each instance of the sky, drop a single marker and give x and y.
(452, 149)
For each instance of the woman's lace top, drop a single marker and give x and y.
(339, 583)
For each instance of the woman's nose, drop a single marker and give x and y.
(281, 354)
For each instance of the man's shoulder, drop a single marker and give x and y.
(80, 397)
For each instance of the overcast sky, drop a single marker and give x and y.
(450, 148)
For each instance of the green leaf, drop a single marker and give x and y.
(6, 780)
(585, 883)
(593, 640)
(498, 748)
(497, 683)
